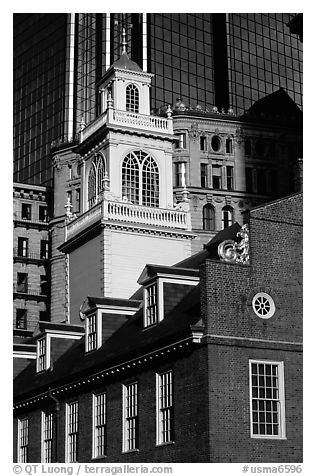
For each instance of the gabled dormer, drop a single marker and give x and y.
(52, 340)
(103, 316)
(163, 288)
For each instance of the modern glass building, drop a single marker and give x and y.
(222, 60)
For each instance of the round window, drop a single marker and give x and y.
(216, 143)
(263, 305)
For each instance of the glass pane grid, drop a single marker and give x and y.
(47, 436)
(131, 414)
(92, 332)
(151, 305)
(72, 439)
(23, 440)
(165, 408)
(265, 399)
(100, 425)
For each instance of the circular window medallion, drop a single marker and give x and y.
(263, 305)
(216, 143)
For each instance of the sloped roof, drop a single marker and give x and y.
(129, 341)
(277, 105)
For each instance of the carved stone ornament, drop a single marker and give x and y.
(232, 252)
(194, 133)
(56, 162)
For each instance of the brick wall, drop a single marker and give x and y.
(191, 428)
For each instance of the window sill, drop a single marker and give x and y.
(98, 458)
(136, 450)
(165, 444)
(268, 437)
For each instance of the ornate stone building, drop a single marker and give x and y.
(31, 254)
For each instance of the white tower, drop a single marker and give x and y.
(126, 218)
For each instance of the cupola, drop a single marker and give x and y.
(125, 86)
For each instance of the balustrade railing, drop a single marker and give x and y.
(129, 119)
(129, 213)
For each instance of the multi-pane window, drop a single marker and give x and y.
(203, 172)
(130, 417)
(151, 305)
(23, 245)
(165, 418)
(21, 286)
(47, 436)
(140, 179)
(217, 177)
(26, 211)
(227, 216)
(23, 440)
(96, 180)
(230, 177)
(132, 98)
(41, 354)
(181, 142)
(44, 249)
(21, 319)
(203, 143)
(72, 414)
(208, 217)
(267, 399)
(229, 146)
(99, 428)
(150, 183)
(91, 323)
(180, 174)
(42, 213)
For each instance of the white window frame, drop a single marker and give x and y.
(71, 431)
(43, 354)
(47, 436)
(23, 440)
(190, 281)
(99, 401)
(280, 400)
(151, 319)
(98, 332)
(130, 417)
(164, 406)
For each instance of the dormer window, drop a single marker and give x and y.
(93, 333)
(151, 305)
(132, 98)
(41, 354)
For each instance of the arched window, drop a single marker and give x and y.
(130, 178)
(96, 180)
(227, 216)
(150, 183)
(140, 179)
(208, 217)
(132, 98)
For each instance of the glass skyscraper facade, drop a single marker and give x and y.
(223, 60)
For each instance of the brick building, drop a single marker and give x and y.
(31, 252)
(204, 364)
